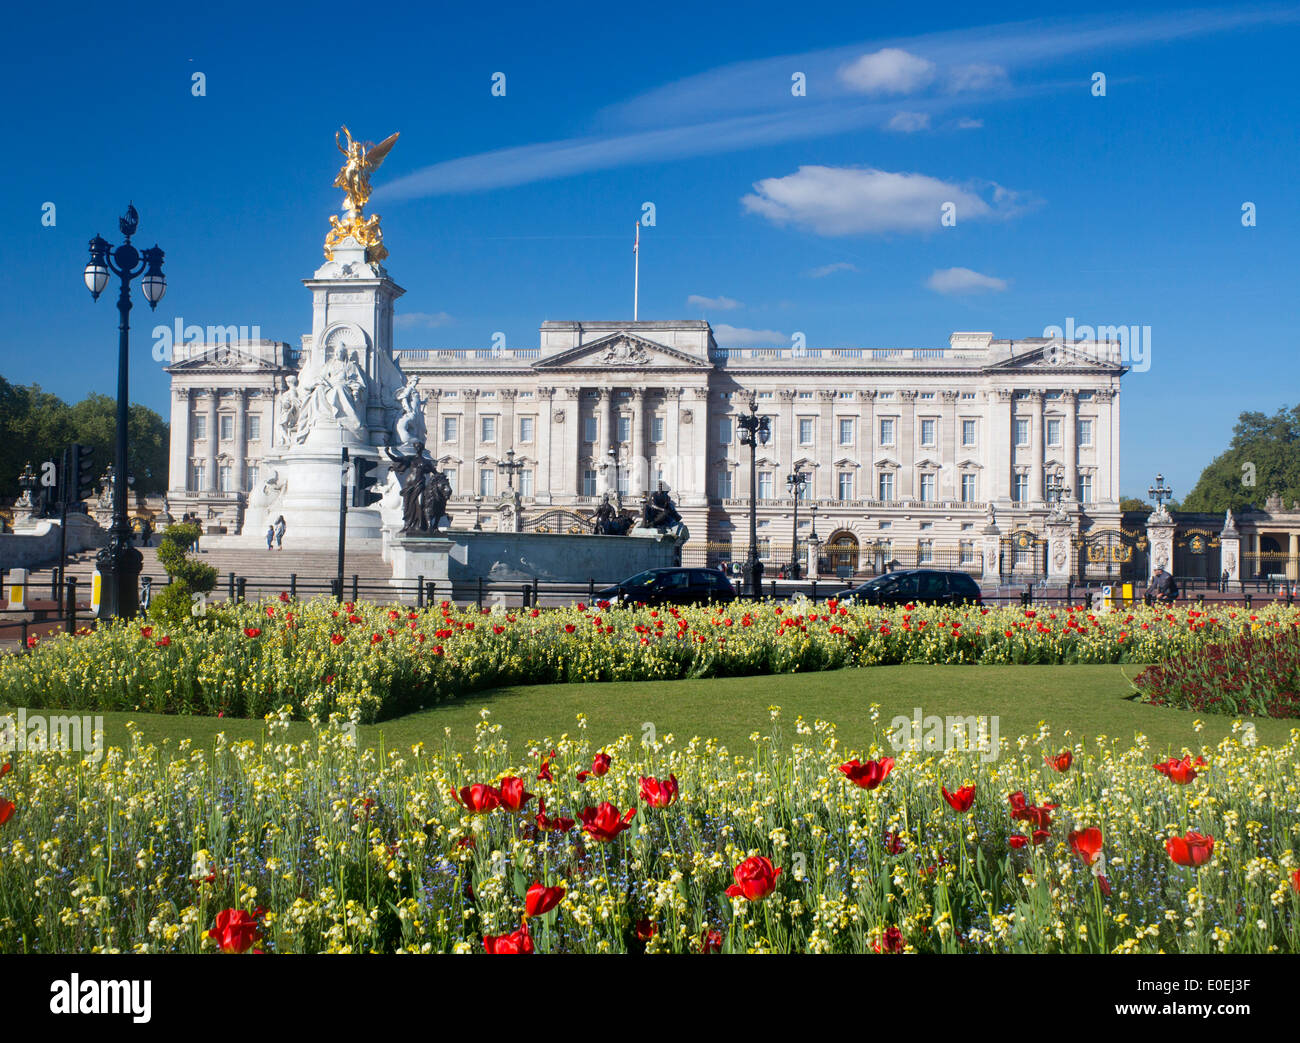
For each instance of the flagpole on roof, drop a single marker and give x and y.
(636, 267)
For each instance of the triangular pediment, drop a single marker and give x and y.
(222, 358)
(620, 351)
(1058, 355)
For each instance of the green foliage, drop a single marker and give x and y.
(188, 577)
(37, 426)
(1271, 446)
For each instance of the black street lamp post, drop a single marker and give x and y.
(797, 481)
(1160, 492)
(510, 467)
(755, 430)
(119, 562)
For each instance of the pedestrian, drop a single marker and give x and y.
(1223, 582)
(279, 532)
(1162, 588)
(270, 537)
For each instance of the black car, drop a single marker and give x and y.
(918, 587)
(670, 587)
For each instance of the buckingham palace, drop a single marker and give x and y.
(906, 454)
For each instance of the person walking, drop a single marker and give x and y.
(279, 532)
(270, 537)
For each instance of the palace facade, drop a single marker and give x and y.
(912, 455)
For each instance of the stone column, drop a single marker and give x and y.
(543, 480)
(1002, 447)
(241, 441)
(638, 477)
(178, 460)
(506, 438)
(1069, 440)
(1293, 558)
(1230, 549)
(824, 450)
(214, 438)
(1036, 448)
(432, 419)
(907, 446)
(697, 455)
(790, 440)
(1107, 472)
(571, 440)
(867, 489)
(672, 449)
(948, 485)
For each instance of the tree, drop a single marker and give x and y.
(37, 426)
(1262, 458)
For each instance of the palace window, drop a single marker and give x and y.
(487, 481)
(624, 428)
(968, 432)
(250, 482)
(927, 395)
(968, 488)
(846, 431)
(227, 427)
(255, 427)
(929, 484)
(1085, 488)
(224, 476)
(845, 479)
(1085, 432)
(450, 428)
(657, 430)
(927, 432)
(1053, 431)
(887, 431)
(1020, 488)
(200, 428)
(1022, 432)
(806, 430)
(925, 552)
(453, 477)
(590, 429)
(967, 551)
(488, 429)
(526, 482)
(589, 482)
(887, 485)
(806, 395)
(526, 429)
(765, 485)
(200, 476)
(724, 430)
(724, 485)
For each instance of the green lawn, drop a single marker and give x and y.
(1087, 700)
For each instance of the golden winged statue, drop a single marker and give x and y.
(363, 158)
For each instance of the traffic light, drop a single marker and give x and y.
(82, 474)
(367, 483)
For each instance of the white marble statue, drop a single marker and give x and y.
(410, 425)
(336, 396)
(290, 406)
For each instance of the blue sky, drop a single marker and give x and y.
(774, 213)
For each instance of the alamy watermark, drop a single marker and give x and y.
(1130, 345)
(24, 732)
(218, 341)
(931, 733)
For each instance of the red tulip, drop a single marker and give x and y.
(1295, 880)
(1086, 843)
(1017, 841)
(511, 793)
(1061, 762)
(5, 769)
(235, 931)
(869, 775)
(646, 929)
(478, 798)
(604, 823)
(1194, 849)
(516, 943)
(1104, 884)
(1038, 836)
(557, 824)
(961, 800)
(755, 879)
(544, 772)
(599, 766)
(1038, 816)
(890, 941)
(894, 844)
(541, 900)
(1179, 771)
(659, 793)
(711, 942)
(6, 810)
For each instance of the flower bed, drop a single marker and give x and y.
(1252, 672)
(321, 847)
(372, 662)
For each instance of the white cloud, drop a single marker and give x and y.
(411, 320)
(712, 303)
(850, 200)
(887, 71)
(976, 76)
(964, 280)
(909, 122)
(739, 335)
(969, 123)
(831, 269)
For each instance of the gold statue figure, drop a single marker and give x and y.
(363, 158)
